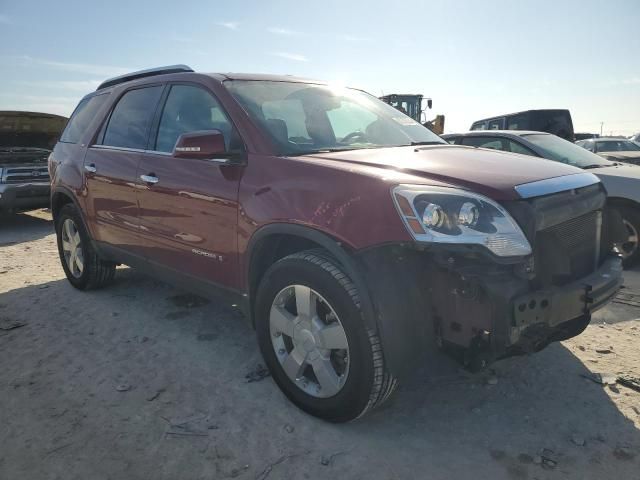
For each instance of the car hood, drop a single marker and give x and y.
(622, 181)
(19, 130)
(628, 157)
(620, 170)
(489, 172)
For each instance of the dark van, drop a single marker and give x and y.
(557, 122)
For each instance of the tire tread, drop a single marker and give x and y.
(384, 383)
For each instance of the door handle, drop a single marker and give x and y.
(91, 168)
(151, 178)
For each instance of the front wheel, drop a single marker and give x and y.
(630, 249)
(314, 340)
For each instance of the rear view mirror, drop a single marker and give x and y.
(203, 144)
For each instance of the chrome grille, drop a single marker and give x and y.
(25, 174)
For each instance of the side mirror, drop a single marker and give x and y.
(429, 103)
(203, 144)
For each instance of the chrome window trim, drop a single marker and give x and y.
(120, 149)
(127, 149)
(224, 160)
(556, 184)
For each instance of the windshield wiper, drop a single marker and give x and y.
(596, 165)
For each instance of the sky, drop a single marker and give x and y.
(474, 59)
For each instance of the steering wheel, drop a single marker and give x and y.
(353, 135)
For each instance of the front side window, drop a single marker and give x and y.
(190, 109)
(308, 118)
(496, 124)
(130, 120)
(82, 116)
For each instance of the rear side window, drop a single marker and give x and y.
(494, 143)
(497, 124)
(82, 116)
(515, 147)
(129, 124)
(518, 122)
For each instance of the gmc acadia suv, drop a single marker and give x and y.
(359, 244)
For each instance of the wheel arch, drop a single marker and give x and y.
(59, 198)
(62, 196)
(275, 241)
(623, 202)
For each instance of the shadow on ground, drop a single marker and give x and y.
(138, 381)
(24, 227)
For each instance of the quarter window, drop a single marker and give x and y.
(129, 124)
(82, 116)
(190, 109)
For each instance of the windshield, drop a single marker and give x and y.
(308, 118)
(617, 146)
(555, 148)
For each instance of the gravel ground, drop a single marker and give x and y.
(141, 380)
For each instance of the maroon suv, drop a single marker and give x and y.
(359, 244)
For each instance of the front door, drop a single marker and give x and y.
(111, 166)
(188, 212)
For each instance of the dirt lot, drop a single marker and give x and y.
(141, 381)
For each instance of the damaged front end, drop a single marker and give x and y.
(479, 306)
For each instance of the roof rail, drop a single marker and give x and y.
(144, 73)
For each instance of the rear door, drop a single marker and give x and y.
(111, 165)
(189, 216)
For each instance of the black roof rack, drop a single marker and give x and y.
(144, 73)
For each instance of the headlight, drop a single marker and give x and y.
(451, 215)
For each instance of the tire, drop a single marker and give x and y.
(95, 272)
(365, 382)
(630, 250)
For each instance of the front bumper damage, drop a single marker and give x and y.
(554, 307)
(472, 308)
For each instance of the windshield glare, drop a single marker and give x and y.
(556, 148)
(308, 118)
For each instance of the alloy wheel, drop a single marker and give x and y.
(72, 248)
(630, 245)
(309, 341)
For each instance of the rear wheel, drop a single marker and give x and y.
(314, 340)
(630, 248)
(82, 265)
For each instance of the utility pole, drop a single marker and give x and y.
(601, 124)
